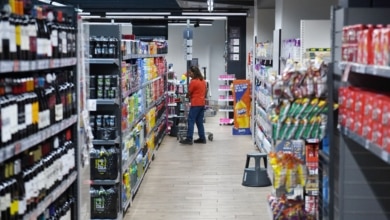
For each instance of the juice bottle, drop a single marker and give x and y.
(242, 117)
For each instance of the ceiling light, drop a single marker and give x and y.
(57, 4)
(138, 13)
(90, 16)
(216, 13)
(84, 13)
(185, 24)
(136, 17)
(199, 17)
(210, 5)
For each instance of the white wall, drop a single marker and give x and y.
(296, 10)
(265, 24)
(249, 39)
(208, 47)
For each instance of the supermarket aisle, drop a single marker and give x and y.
(200, 181)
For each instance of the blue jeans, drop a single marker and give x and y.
(195, 116)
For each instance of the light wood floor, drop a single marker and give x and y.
(202, 181)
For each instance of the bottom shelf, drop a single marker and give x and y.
(53, 196)
(226, 121)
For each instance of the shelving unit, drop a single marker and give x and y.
(39, 134)
(226, 100)
(135, 110)
(355, 163)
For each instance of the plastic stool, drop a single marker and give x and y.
(256, 176)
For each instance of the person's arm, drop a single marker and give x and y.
(190, 89)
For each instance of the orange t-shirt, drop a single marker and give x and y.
(197, 90)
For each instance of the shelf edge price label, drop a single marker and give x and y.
(385, 156)
(17, 148)
(367, 144)
(92, 105)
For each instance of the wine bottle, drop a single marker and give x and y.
(53, 32)
(5, 40)
(25, 41)
(59, 106)
(12, 37)
(32, 35)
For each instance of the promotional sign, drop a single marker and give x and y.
(242, 107)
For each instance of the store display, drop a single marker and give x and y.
(285, 209)
(38, 105)
(129, 95)
(226, 99)
(366, 44)
(104, 202)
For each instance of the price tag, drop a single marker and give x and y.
(92, 106)
(33, 65)
(6, 66)
(16, 67)
(24, 65)
(347, 70)
(385, 156)
(17, 148)
(367, 144)
(2, 155)
(9, 152)
(41, 64)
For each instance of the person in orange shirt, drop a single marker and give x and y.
(197, 93)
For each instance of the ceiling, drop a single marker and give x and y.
(166, 5)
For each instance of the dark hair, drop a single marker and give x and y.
(197, 74)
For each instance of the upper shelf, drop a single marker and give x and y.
(103, 61)
(25, 66)
(372, 147)
(137, 56)
(32, 140)
(382, 71)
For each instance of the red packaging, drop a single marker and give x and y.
(376, 45)
(342, 117)
(385, 44)
(367, 129)
(358, 124)
(377, 133)
(360, 54)
(342, 97)
(386, 139)
(350, 120)
(345, 35)
(369, 102)
(359, 102)
(350, 99)
(376, 113)
(367, 45)
(386, 112)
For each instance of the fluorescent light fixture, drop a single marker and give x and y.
(138, 13)
(45, 1)
(185, 24)
(57, 4)
(90, 16)
(199, 17)
(136, 17)
(215, 13)
(84, 13)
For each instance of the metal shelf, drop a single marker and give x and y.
(103, 61)
(105, 182)
(107, 101)
(138, 56)
(34, 139)
(372, 147)
(224, 90)
(367, 69)
(138, 184)
(105, 142)
(324, 156)
(130, 160)
(24, 66)
(225, 100)
(264, 57)
(53, 196)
